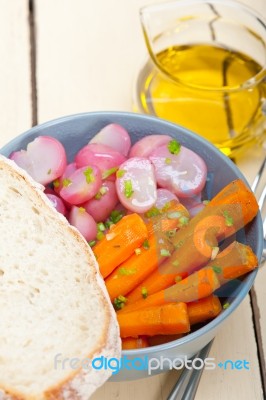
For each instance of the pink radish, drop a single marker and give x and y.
(82, 185)
(58, 183)
(144, 147)
(57, 203)
(182, 172)
(136, 185)
(164, 196)
(103, 203)
(84, 222)
(114, 136)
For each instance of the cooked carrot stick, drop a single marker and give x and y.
(174, 216)
(197, 286)
(196, 243)
(161, 339)
(137, 267)
(167, 319)
(120, 242)
(131, 343)
(204, 309)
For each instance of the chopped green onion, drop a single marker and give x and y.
(165, 253)
(124, 271)
(128, 188)
(146, 244)
(228, 219)
(49, 171)
(119, 302)
(174, 146)
(137, 252)
(170, 234)
(166, 206)
(178, 279)
(82, 209)
(174, 215)
(66, 182)
(109, 172)
(103, 190)
(120, 173)
(175, 263)
(115, 216)
(144, 292)
(206, 202)
(100, 235)
(168, 161)
(226, 305)
(184, 220)
(153, 212)
(101, 227)
(217, 269)
(56, 183)
(92, 243)
(89, 175)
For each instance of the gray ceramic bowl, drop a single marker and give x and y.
(75, 131)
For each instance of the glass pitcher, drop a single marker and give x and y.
(207, 70)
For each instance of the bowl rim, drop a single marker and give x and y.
(249, 280)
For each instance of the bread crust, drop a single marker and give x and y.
(80, 384)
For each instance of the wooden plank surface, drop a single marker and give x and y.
(88, 54)
(15, 76)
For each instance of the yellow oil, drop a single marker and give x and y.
(202, 88)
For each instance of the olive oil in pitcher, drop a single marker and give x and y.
(207, 89)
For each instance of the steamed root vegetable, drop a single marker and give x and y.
(82, 185)
(106, 158)
(131, 343)
(227, 212)
(179, 169)
(164, 196)
(197, 286)
(145, 146)
(45, 159)
(57, 203)
(135, 184)
(120, 242)
(103, 203)
(204, 309)
(137, 267)
(167, 319)
(59, 182)
(84, 222)
(114, 136)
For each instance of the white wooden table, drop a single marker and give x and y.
(62, 57)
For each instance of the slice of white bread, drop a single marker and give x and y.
(53, 301)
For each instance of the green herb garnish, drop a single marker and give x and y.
(217, 269)
(174, 215)
(165, 253)
(56, 183)
(170, 234)
(206, 202)
(115, 216)
(184, 220)
(128, 188)
(101, 227)
(168, 161)
(109, 172)
(153, 212)
(228, 219)
(174, 146)
(66, 182)
(100, 235)
(82, 209)
(226, 305)
(146, 244)
(144, 292)
(89, 175)
(178, 279)
(119, 302)
(92, 243)
(175, 263)
(49, 171)
(103, 190)
(120, 173)
(124, 271)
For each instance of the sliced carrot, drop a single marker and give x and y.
(175, 216)
(161, 339)
(229, 211)
(137, 267)
(120, 242)
(204, 309)
(167, 319)
(197, 286)
(131, 343)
